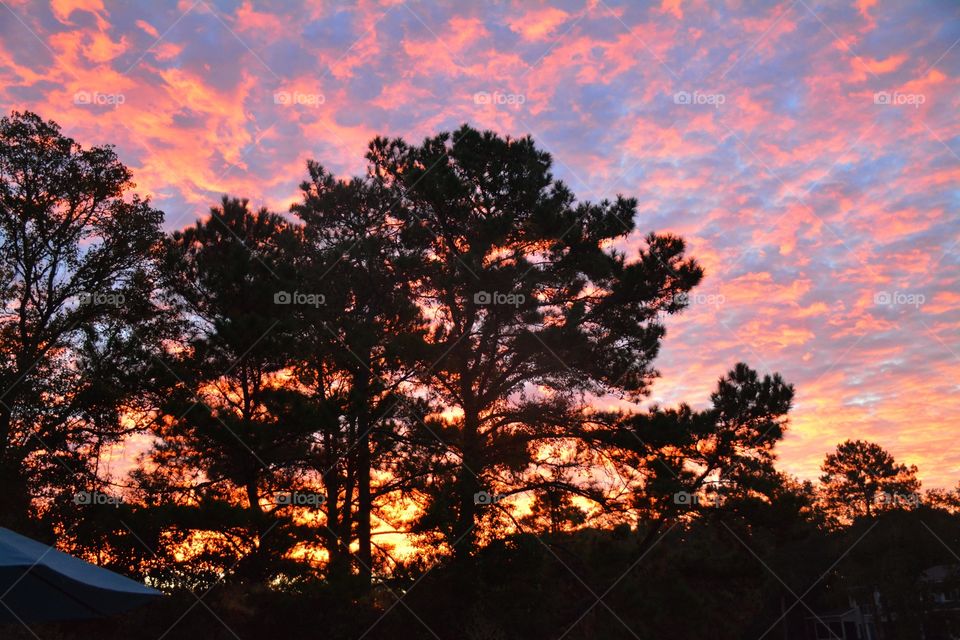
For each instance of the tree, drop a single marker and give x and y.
(357, 350)
(77, 263)
(946, 499)
(528, 306)
(554, 511)
(231, 431)
(684, 461)
(861, 478)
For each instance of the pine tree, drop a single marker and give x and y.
(861, 478)
(231, 431)
(528, 306)
(356, 351)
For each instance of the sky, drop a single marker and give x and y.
(809, 152)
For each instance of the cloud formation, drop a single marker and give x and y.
(809, 153)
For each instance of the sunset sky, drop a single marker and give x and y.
(808, 151)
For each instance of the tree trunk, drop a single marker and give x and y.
(467, 486)
(254, 562)
(338, 566)
(8, 501)
(364, 498)
(6, 417)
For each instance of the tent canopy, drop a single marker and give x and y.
(40, 584)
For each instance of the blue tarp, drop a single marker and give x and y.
(40, 584)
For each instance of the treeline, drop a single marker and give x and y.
(420, 351)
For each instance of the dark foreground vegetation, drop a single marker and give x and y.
(376, 416)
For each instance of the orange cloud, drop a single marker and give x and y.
(864, 66)
(538, 24)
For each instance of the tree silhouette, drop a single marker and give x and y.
(554, 511)
(356, 352)
(422, 350)
(231, 433)
(76, 269)
(521, 293)
(861, 478)
(685, 461)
